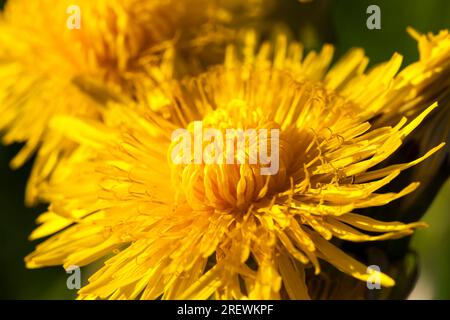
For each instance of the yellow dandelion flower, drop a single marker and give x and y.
(414, 88)
(54, 52)
(422, 82)
(195, 230)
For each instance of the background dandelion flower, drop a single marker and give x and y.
(424, 81)
(413, 89)
(48, 69)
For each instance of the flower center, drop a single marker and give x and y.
(230, 159)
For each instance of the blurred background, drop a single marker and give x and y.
(340, 22)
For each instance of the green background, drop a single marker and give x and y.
(341, 22)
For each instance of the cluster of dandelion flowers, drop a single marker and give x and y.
(195, 231)
(56, 63)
